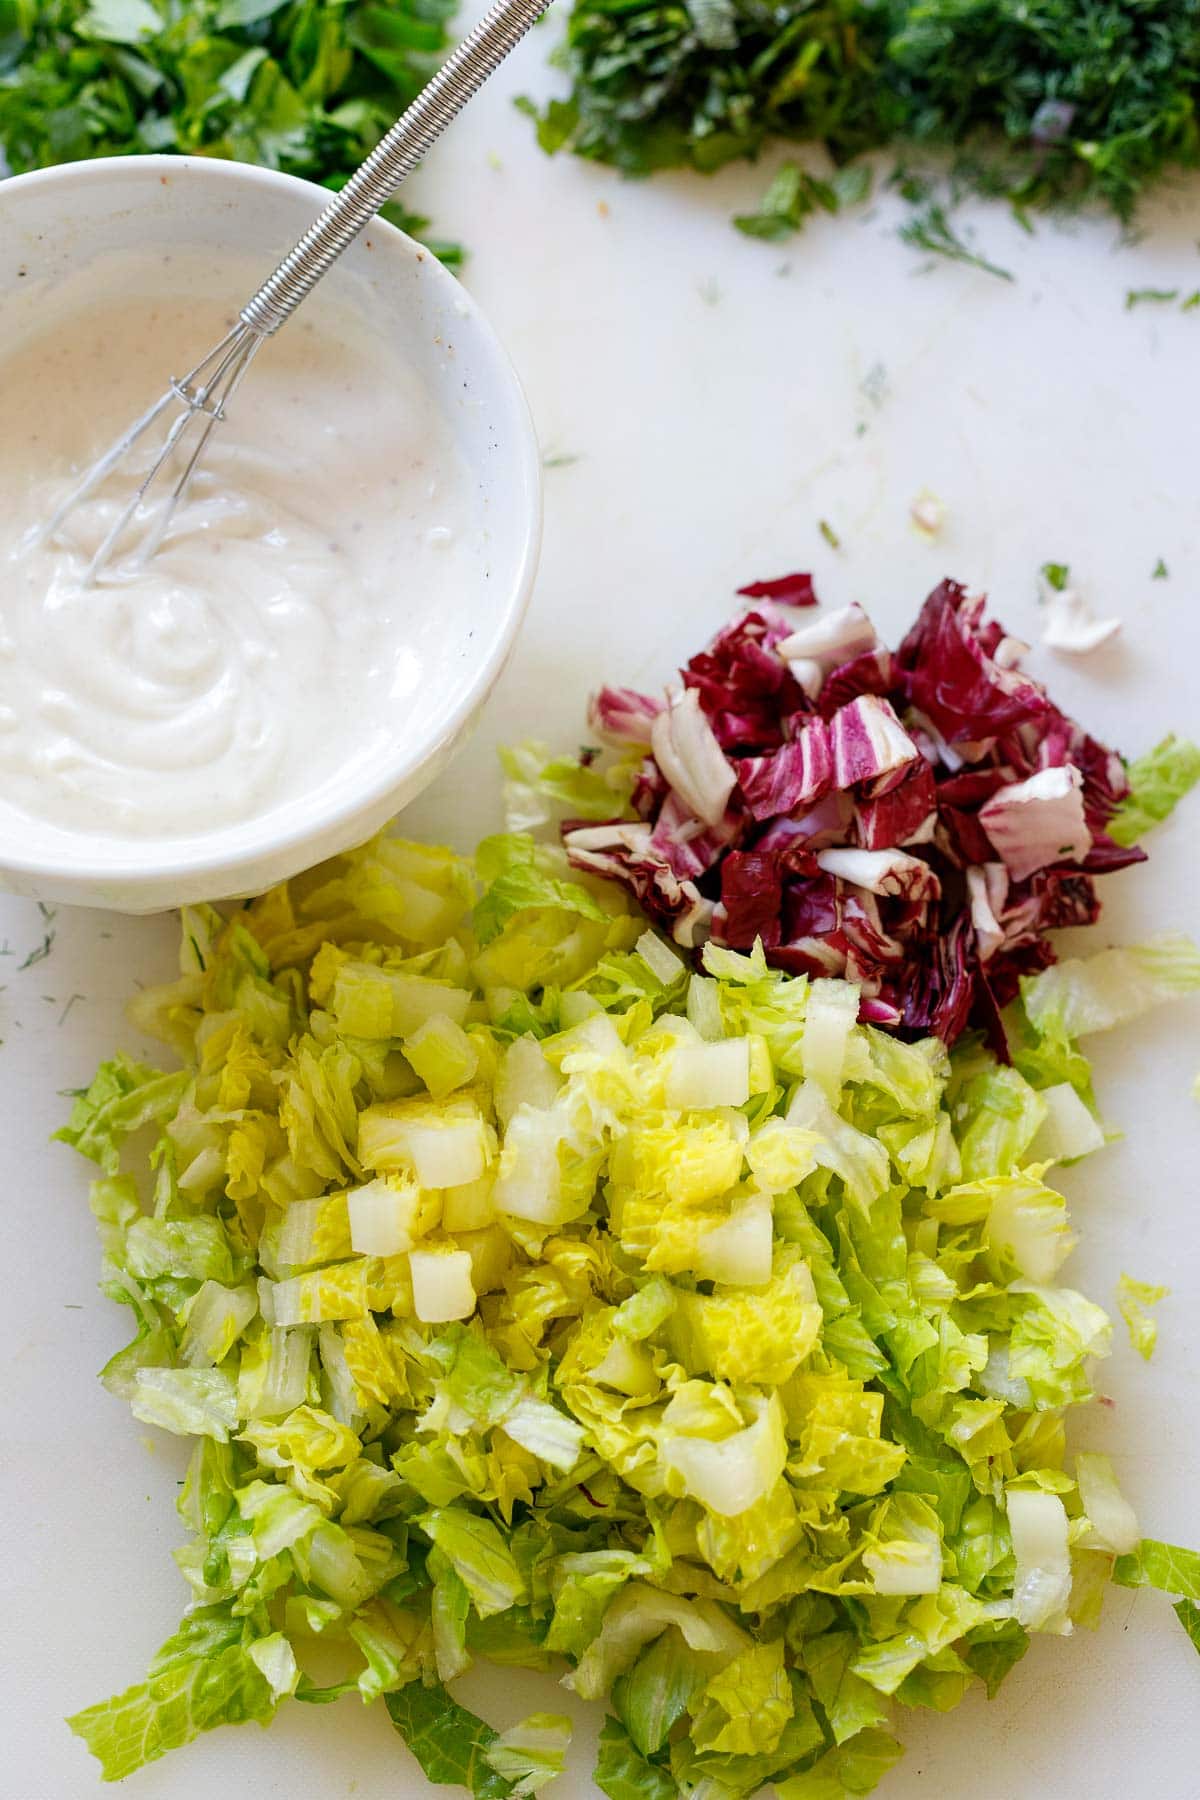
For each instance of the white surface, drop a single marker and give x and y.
(711, 389)
(59, 223)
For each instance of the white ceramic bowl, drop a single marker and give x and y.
(56, 222)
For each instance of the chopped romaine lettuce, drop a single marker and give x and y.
(1158, 781)
(1094, 993)
(1164, 1566)
(206, 1675)
(450, 1743)
(528, 1298)
(531, 1754)
(1188, 1614)
(1135, 1300)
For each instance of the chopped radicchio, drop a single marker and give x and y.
(1070, 626)
(868, 741)
(690, 846)
(751, 899)
(621, 852)
(827, 643)
(746, 690)
(874, 672)
(791, 590)
(1038, 822)
(622, 716)
(882, 872)
(952, 675)
(916, 822)
(900, 811)
(686, 750)
(795, 775)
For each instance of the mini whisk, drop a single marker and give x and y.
(200, 397)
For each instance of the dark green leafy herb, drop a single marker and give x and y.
(793, 194)
(1041, 103)
(1159, 571)
(38, 954)
(1056, 576)
(297, 85)
(930, 230)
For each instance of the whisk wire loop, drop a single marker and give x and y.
(203, 395)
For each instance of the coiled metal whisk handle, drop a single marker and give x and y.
(394, 157)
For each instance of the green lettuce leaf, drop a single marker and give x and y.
(532, 1754)
(1158, 781)
(479, 1555)
(1001, 1114)
(449, 1605)
(741, 1774)
(1164, 1566)
(1094, 993)
(653, 1696)
(994, 1649)
(744, 1707)
(539, 787)
(450, 1743)
(641, 1613)
(852, 1769)
(584, 1582)
(476, 1378)
(1135, 1299)
(850, 1704)
(750, 1335)
(189, 1402)
(623, 1773)
(516, 879)
(1055, 1336)
(1188, 1614)
(202, 1677)
(123, 1096)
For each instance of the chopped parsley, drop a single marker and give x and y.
(1066, 101)
(1148, 296)
(38, 954)
(297, 85)
(793, 194)
(930, 230)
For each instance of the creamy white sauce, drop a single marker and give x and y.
(270, 641)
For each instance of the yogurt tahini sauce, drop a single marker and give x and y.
(269, 642)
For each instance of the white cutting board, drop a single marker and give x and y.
(713, 390)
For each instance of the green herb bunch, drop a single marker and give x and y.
(1042, 101)
(307, 86)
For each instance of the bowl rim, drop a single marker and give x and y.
(197, 855)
